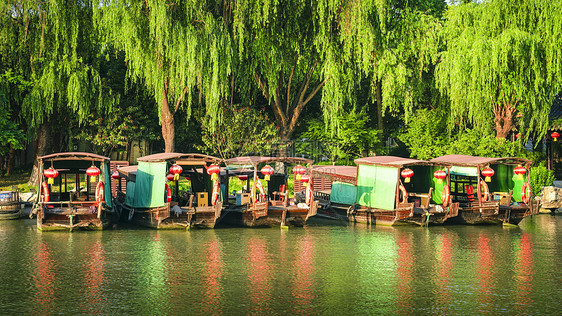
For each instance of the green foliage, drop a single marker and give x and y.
(354, 138)
(11, 137)
(242, 131)
(540, 177)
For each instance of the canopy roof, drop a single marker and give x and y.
(182, 159)
(475, 161)
(74, 156)
(344, 173)
(392, 161)
(256, 160)
(128, 171)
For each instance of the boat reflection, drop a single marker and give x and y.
(94, 278)
(444, 272)
(259, 274)
(44, 278)
(405, 263)
(304, 276)
(485, 271)
(212, 274)
(525, 268)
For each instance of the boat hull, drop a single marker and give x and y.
(48, 220)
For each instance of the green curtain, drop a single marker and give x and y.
(107, 184)
(130, 196)
(343, 193)
(376, 186)
(150, 184)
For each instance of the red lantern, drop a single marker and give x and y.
(115, 176)
(243, 177)
(519, 171)
(299, 171)
(555, 135)
(51, 174)
(176, 169)
(518, 135)
(407, 174)
(93, 172)
(213, 170)
(267, 171)
(170, 177)
(305, 179)
(488, 173)
(440, 175)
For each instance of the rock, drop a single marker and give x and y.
(550, 197)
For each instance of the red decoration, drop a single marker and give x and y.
(518, 135)
(488, 173)
(407, 174)
(213, 170)
(299, 171)
(267, 171)
(93, 172)
(176, 170)
(51, 174)
(555, 135)
(243, 177)
(519, 171)
(115, 176)
(170, 177)
(305, 179)
(440, 175)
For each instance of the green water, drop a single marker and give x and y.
(332, 270)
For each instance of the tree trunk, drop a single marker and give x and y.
(503, 119)
(10, 162)
(168, 131)
(42, 147)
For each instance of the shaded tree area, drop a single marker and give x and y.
(223, 76)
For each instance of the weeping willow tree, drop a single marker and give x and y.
(52, 48)
(502, 65)
(174, 48)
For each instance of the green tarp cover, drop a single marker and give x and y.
(343, 193)
(376, 186)
(130, 197)
(150, 184)
(107, 185)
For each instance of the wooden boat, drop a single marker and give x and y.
(148, 200)
(505, 199)
(337, 191)
(376, 194)
(85, 206)
(274, 207)
(10, 204)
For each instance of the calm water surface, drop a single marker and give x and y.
(312, 270)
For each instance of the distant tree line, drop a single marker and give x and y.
(231, 77)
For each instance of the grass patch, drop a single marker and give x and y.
(19, 178)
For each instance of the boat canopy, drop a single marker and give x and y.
(346, 174)
(475, 161)
(251, 161)
(182, 159)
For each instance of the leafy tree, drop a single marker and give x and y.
(11, 137)
(242, 131)
(502, 65)
(540, 177)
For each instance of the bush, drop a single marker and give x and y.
(540, 177)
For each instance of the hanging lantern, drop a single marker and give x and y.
(176, 169)
(555, 136)
(170, 177)
(51, 174)
(243, 177)
(407, 174)
(519, 171)
(213, 170)
(93, 172)
(299, 171)
(267, 171)
(518, 135)
(440, 175)
(305, 178)
(115, 176)
(488, 173)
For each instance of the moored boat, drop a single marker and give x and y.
(150, 200)
(376, 193)
(72, 188)
(10, 204)
(490, 190)
(274, 207)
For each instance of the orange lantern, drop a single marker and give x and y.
(93, 172)
(440, 175)
(407, 174)
(51, 174)
(176, 170)
(267, 171)
(213, 170)
(519, 171)
(555, 136)
(488, 173)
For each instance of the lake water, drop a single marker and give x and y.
(313, 270)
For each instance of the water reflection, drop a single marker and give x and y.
(485, 271)
(259, 274)
(405, 263)
(524, 273)
(303, 281)
(444, 271)
(44, 278)
(213, 272)
(94, 278)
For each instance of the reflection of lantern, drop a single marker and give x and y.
(93, 172)
(115, 176)
(51, 174)
(213, 171)
(176, 170)
(488, 173)
(555, 135)
(267, 171)
(299, 171)
(519, 171)
(407, 174)
(170, 177)
(440, 175)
